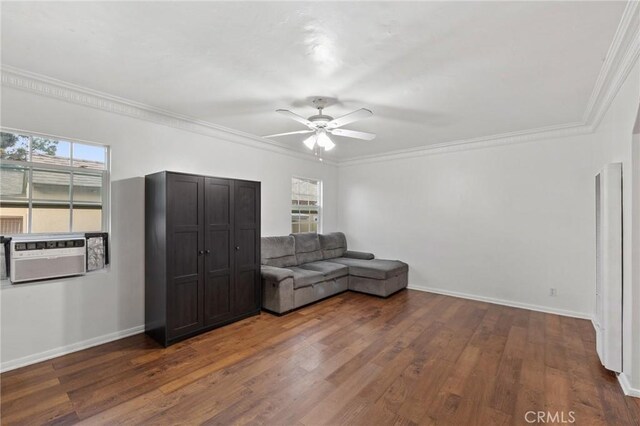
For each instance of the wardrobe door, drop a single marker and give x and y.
(185, 203)
(246, 297)
(219, 262)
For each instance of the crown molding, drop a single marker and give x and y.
(622, 55)
(61, 90)
(559, 131)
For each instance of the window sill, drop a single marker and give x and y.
(6, 284)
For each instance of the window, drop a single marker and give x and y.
(306, 202)
(51, 185)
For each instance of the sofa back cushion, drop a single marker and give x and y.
(278, 251)
(333, 245)
(307, 247)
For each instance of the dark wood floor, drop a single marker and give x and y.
(353, 359)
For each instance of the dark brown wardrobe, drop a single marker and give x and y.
(202, 254)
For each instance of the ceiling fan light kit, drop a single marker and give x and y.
(310, 142)
(324, 141)
(322, 125)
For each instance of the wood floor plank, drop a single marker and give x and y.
(44, 410)
(30, 390)
(263, 386)
(337, 399)
(414, 358)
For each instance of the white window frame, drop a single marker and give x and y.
(30, 165)
(320, 201)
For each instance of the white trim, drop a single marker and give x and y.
(67, 349)
(560, 131)
(626, 386)
(617, 55)
(510, 303)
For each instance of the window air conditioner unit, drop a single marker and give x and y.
(47, 257)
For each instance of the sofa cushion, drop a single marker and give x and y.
(278, 251)
(333, 245)
(307, 246)
(379, 269)
(305, 277)
(330, 270)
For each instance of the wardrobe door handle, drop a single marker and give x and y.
(237, 248)
(207, 251)
(200, 252)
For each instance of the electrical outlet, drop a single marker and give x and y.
(552, 292)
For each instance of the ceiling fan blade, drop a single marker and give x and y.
(353, 134)
(299, 132)
(296, 117)
(349, 118)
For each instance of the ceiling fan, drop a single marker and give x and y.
(322, 125)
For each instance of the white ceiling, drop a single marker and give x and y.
(430, 72)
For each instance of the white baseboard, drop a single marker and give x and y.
(63, 350)
(626, 386)
(503, 302)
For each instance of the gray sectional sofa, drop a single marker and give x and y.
(299, 269)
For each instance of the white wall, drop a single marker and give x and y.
(44, 318)
(506, 223)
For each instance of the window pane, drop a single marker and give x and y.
(14, 182)
(87, 220)
(50, 151)
(87, 187)
(14, 147)
(14, 220)
(305, 196)
(50, 219)
(36, 197)
(50, 186)
(295, 228)
(89, 156)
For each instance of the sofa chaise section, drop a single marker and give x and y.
(376, 276)
(379, 277)
(303, 268)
